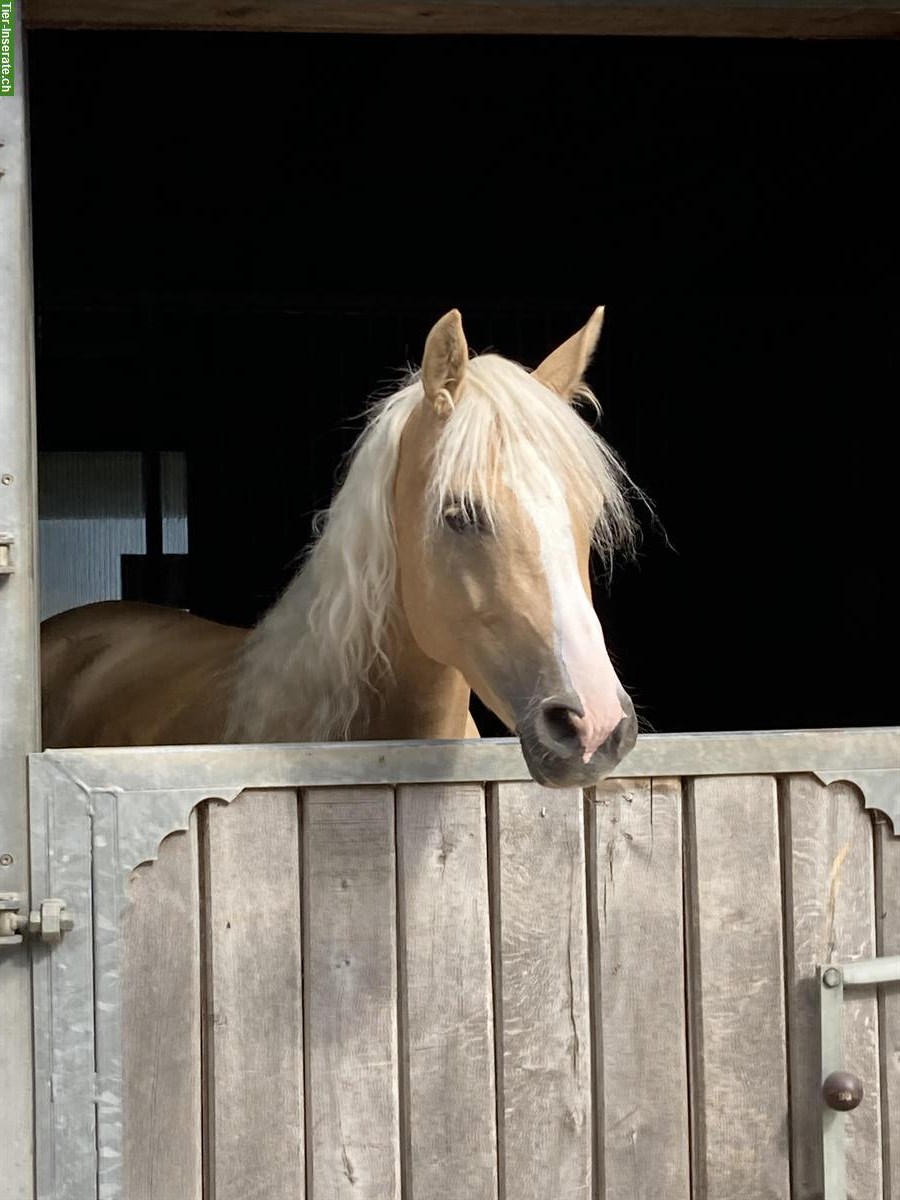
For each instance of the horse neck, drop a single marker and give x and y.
(276, 699)
(420, 698)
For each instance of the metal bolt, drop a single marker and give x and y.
(6, 480)
(832, 977)
(6, 860)
(842, 1091)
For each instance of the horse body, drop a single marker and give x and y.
(454, 558)
(127, 674)
(120, 673)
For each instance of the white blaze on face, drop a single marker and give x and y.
(577, 632)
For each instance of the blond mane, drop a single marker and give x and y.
(314, 663)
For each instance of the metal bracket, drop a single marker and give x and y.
(841, 1090)
(47, 924)
(880, 789)
(7, 566)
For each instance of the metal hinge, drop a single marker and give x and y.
(47, 923)
(7, 541)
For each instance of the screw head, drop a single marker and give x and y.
(842, 1091)
(832, 977)
(6, 860)
(6, 479)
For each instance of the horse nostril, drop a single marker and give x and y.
(556, 725)
(558, 721)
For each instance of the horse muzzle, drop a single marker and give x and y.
(553, 742)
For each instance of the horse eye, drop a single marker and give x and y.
(461, 518)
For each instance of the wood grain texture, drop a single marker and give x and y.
(254, 994)
(728, 18)
(446, 992)
(541, 992)
(736, 990)
(829, 890)
(640, 1027)
(350, 955)
(161, 1025)
(887, 925)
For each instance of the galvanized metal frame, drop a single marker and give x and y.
(867, 758)
(112, 808)
(833, 979)
(19, 693)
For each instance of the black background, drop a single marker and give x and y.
(239, 237)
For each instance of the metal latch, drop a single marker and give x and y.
(842, 1091)
(48, 923)
(7, 541)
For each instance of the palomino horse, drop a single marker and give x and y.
(454, 557)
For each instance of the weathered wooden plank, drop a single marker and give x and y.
(830, 908)
(728, 18)
(640, 1032)
(254, 998)
(161, 1025)
(446, 992)
(887, 924)
(350, 952)
(736, 990)
(542, 992)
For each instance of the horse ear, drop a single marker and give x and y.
(444, 363)
(563, 370)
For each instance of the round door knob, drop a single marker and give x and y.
(842, 1091)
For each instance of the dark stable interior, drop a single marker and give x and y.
(238, 238)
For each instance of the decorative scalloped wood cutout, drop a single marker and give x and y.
(880, 790)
